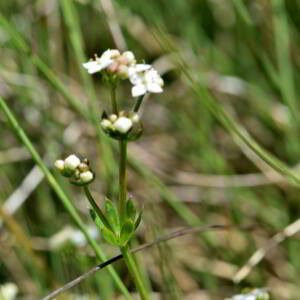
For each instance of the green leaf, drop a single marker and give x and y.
(111, 213)
(130, 210)
(126, 232)
(96, 219)
(109, 236)
(138, 220)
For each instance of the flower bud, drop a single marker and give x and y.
(135, 118)
(123, 124)
(71, 162)
(86, 177)
(83, 167)
(59, 165)
(105, 124)
(113, 118)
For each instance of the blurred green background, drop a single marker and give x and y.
(189, 168)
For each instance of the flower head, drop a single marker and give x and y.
(145, 79)
(113, 61)
(77, 170)
(124, 126)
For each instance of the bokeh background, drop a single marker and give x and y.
(188, 169)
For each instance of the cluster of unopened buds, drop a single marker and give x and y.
(76, 169)
(143, 77)
(122, 126)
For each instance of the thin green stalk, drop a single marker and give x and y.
(134, 273)
(122, 179)
(138, 104)
(113, 96)
(122, 204)
(282, 47)
(61, 195)
(96, 207)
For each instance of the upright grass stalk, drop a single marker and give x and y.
(61, 195)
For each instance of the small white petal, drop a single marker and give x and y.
(71, 162)
(142, 67)
(138, 90)
(154, 88)
(139, 68)
(92, 67)
(86, 177)
(89, 64)
(105, 62)
(123, 124)
(59, 164)
(136, 78)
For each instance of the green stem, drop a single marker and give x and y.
(138, 104)
(96, 207)
(113, 96)
(134, 273)
(123, 180)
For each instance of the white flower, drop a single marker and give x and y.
(106, 59)
(143, 82)
(123, 124)
(86, 177)
(59, 164)
(71, 162)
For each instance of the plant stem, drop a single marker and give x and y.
(122, 180)
(123, 198)
(96, 207)
(138, 104)
(113, 97)
(134, 273)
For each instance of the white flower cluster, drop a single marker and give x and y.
(142, 76)
(256, 294)
(121, 123)
(72, 166)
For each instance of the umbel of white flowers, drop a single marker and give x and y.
(124, 126)
(121, 123)
(142, 76)
(76, 169)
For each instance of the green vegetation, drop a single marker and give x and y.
(221, 145)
